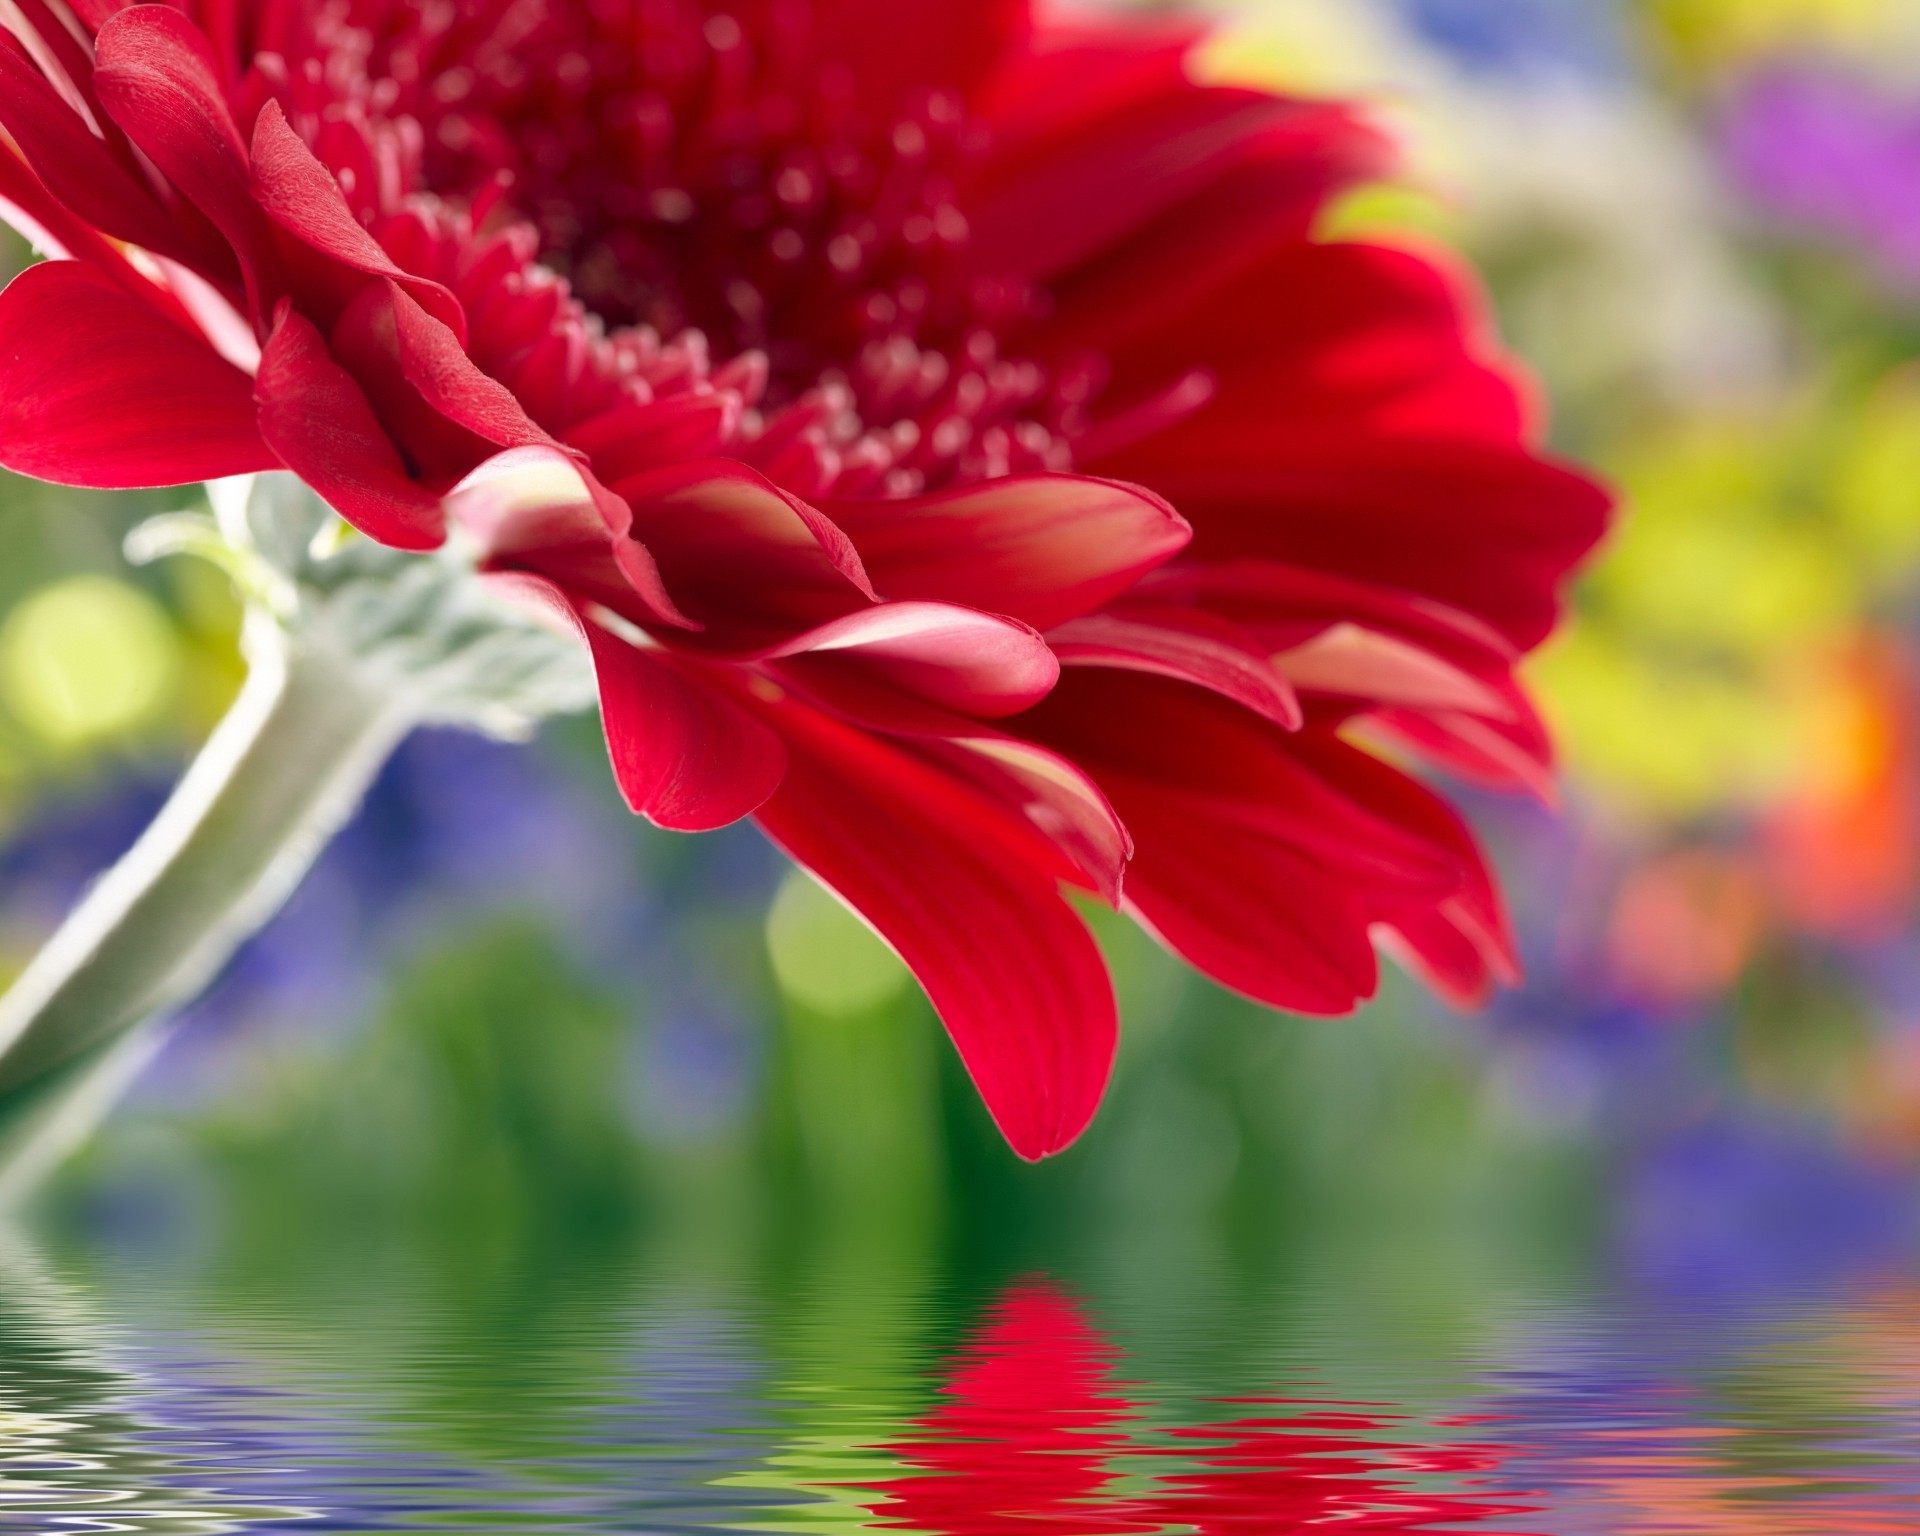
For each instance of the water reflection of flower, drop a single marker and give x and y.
(1036, 1430)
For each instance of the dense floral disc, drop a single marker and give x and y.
(939, 423)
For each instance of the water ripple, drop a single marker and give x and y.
(610, 1399)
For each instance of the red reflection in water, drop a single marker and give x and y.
(1313, 1469)
(1035, 1432)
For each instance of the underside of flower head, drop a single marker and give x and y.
(939, 424)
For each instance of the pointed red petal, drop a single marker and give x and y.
(1191, 646)
(1250, 910)
(951, 657)
(1054, 795)
(746, 559)
(365, 339)
(1358, 427)
(1041, 548)
(1463, 945)
(302, 197)
(319, 422)
(636, 436)
(1046, 210)
(1316, 338)
(1272, 197)
(435, 363)
(157, 76)
(970, 903)
(536, 509)
(1489, 531)
(685, 755)
(1262, 857)
(1512, 754)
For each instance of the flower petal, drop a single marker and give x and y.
(319, 422)
(1462, 945)
(157, 77)
(437, 365)
(446, 415)
(99, 389)
(52, 228)
(1045, 209)
(894, 49)
(1510, 754)
(302, 197)
(1492, 532)
(1310, 339)
(955, 658)
(536, 509)
(1255, 857)
(1079, 72)
(1052, 794)
(1192, 646)
(636, 436)
(748, 561)
(1347, 658)
(1057, 796)
(1126, 182)
(1284, 606)
(1042, 548)
(75, 163)
(970, 903)
(1429, 677)
(1252, 911)
(1270, 194)
(685, 754)
(1356, 427)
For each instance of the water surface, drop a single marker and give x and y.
(617, 1392)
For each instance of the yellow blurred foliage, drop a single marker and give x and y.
(1697, 673)
(1382, 213)
(1876, 482)
(213, 669)
(824, 957)
(1709, 558)
(1301, 47)
(1662, 735)
(1707, 33)
(86, 660)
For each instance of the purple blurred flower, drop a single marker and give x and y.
(1818, 148)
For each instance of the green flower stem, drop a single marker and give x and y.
(280, 775)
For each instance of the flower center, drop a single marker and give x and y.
(684, 174)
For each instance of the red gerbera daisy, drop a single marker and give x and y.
(941, 425)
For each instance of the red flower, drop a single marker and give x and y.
(837, 367)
